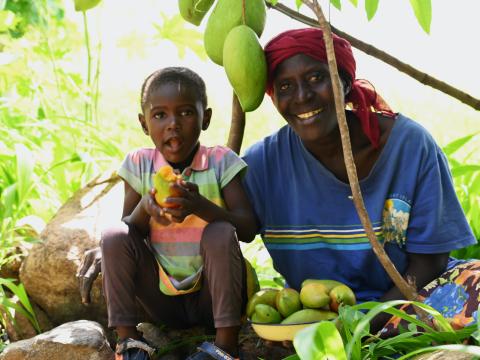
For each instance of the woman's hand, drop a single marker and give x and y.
(188, 201)
(88, 271)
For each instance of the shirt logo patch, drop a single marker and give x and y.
(396, 213)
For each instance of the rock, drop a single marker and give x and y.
(48, 272)
(78, 340)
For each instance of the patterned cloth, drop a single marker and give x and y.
(455, 295)
(177, 245)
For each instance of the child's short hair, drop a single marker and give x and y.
(173, 74)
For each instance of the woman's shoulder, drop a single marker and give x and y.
(407, 132)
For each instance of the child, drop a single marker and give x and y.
(183, 264)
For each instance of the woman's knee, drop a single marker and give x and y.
(219, 236)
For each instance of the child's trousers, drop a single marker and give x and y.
(130, 274)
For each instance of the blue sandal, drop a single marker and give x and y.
(131, 349)
(208, 351)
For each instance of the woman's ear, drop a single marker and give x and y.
(207, 116)
(143, 124)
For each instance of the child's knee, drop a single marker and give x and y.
(219, 236)
(113, 237)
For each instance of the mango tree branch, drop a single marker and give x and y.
(237, 126)
(407, 289)
(386, 58)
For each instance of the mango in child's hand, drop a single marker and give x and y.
(266, 314)
(341, 295)
(287, 301)
(314, 295)
(162, 181)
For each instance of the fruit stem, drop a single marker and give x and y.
(244, 13)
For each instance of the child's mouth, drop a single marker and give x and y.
(174, 143)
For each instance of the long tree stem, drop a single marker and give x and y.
(237, 126)
(371, 50)
(405, 288)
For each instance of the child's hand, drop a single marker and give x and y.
(154, 210)
(188, 200)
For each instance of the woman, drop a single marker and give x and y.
(298, 182)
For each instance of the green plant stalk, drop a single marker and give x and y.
(88, 110)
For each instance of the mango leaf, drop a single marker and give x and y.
(371, 7)
(354, 2)
(7, 20)
(337, 4)
(423, 12)
(174, 29)
(464, 170)
(2, 4)
(467, 349)
(273, 2)
(453, 146)
(298, 3)
(320, 341)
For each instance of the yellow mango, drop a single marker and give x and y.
(314, 296)
(226, 15)
(266, 314)
(330, 284)
(287, 301)
(162, 181)
(341, 295)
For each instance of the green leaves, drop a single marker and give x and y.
(320, 341)
(183, 38)
(371, 7)
(423, 12)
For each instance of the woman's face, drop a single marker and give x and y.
(302, 93)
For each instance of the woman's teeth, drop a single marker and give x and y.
(309, 114)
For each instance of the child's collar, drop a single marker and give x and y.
(199, 162)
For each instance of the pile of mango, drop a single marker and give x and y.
(231, 40)
(317, 300)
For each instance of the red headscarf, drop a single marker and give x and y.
(363, 97)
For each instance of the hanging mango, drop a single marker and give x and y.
(194, 11)
(225, 16)
(246, 67)
(84, 5)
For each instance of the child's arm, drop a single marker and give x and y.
(238, 210)
(137, 210)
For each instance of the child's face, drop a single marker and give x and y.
(174, 117)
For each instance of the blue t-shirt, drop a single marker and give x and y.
(309, 224)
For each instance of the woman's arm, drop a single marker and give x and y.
(422, 268)
(238, 210)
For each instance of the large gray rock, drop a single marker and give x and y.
(78, 340)
(48, 272)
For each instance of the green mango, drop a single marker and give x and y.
(194, 11)
(246, 67)
(287, 301)
(225, 16)
(309, 315)
(329, 284)
(84, 5)
(266, 314)
(265, 296)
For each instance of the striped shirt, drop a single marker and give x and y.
(177, 245)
